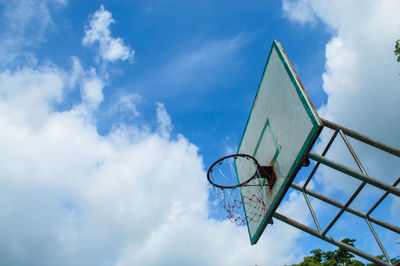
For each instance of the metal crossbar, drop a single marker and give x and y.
(360, 175)
(349, 209)
(329, 239)
(362, 138)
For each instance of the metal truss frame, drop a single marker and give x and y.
(361, 175)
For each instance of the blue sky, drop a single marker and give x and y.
(190, 58)
(111, 112)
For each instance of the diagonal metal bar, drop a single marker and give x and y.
(323, 154)
(312, 211)
(351, 210)
(355, 157)
(382, 198)
(342, 210)
(360, 176)
(329, 239)
(355, 194)
(378, 240)
(362, 138)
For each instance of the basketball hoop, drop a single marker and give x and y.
(239, 184)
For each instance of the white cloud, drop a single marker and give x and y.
(76, 72)
(198, 65)
(24, 25)
(70, 196)
(188, 240)
(192, 64)
(300, 11)
(110, 49)
(86, 192)
(92, 89)
(67, 192)
(33, 90)
(126, 102)
(164, 120)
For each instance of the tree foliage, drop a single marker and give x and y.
(337, 257)
(397, 50)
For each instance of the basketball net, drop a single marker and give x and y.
(243, 203)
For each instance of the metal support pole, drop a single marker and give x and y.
(360, 176)
(353, 153)
(362, 138)
(382, 198)
(323, 154)
(344, 208)
(312, 212)
(360, 187)
(329, 239)
(378, 240)
(349, 209)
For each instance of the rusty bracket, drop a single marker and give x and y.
(268, 173)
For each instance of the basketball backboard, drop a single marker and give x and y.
(280, 131)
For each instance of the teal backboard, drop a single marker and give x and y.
(280, 131)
